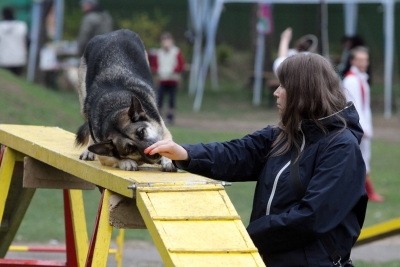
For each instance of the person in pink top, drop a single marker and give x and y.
(357, 90)
(168, 65)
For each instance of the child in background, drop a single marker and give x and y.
(168, 66)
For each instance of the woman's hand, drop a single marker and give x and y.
(168, 149)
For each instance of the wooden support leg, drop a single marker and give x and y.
(22, 204)
(120, 245)
(72, 260)
(101, 237)
(79, 225)
(14, 200)
(6, 171)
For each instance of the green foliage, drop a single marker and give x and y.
(224, 54)
(148, 28)
(72, 22)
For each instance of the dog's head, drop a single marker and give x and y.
(128, 133)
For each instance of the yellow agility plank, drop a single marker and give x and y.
(55, 146)
(196, 226)
(379, 231)
(190, 218)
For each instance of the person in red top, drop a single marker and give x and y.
(168, 65)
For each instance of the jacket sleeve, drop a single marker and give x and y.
(335, 188)
(236, 160)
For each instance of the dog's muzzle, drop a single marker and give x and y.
(152, 158)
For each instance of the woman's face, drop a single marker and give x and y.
(280, 94)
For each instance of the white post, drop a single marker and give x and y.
(324, 29)
(196, 14)
(258, 69)
(34, 45)
(389, 42)
(196, 61)
(209, 50)
(350, 16)
(59, 8)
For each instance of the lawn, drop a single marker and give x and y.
(23, 103)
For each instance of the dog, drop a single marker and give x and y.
(118, 103)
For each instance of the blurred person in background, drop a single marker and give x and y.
(95, 21)
(357, 90)
(168, 65)
(13, 42)
(350, 42)
(305, 44)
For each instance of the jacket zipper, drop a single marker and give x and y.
(280, 172)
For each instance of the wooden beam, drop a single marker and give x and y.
(41, 175)
(124, 213)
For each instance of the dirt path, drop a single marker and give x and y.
(385, 129)
(137, 253)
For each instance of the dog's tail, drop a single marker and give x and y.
(82, 136)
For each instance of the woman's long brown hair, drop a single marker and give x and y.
(313, 91)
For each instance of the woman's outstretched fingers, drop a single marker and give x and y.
(155, 148)
(169, 149)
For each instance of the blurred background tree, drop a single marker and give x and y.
(149, 29)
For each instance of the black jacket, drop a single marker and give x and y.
(285, 230)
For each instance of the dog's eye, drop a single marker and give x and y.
(130, 149)
(140, 133)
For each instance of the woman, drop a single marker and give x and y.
(317, 122)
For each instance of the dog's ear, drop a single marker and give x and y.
(104, 148)
(136, 110)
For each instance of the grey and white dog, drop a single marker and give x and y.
(118, 103)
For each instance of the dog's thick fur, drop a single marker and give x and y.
(118, 103)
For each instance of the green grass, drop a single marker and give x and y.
(23, 103)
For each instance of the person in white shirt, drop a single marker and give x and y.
(13, 42)
(357, 90)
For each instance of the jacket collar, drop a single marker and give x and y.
(360, 74)
(333, 122)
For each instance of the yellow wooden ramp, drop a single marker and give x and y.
(196, 226)
(190, 218)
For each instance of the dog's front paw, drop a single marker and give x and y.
(128, 165)
(87, 155)
(167, 165)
